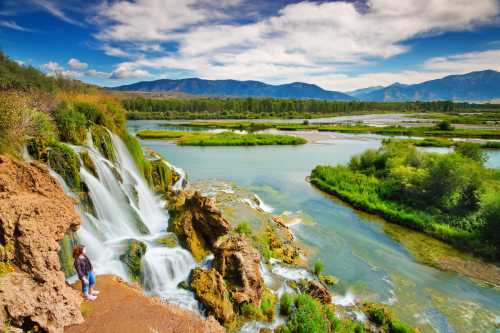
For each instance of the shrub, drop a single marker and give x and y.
(309, 316)
(286, 304)
(267, 305)
(244, 228)
(444, 126)
(70, 123)
(318, 267)
(472, 151)
(63, 160)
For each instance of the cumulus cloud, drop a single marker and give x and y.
(77, 64)
(128, 71)
(97, 74)
(54, 69)
(307, 41)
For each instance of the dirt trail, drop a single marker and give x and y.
(125, 309)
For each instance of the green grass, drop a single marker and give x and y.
(425, 131)
(221, 139)
(159, 134)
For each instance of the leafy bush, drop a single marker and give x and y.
(71, 124)
(309, 316)
(244, 228)
(444, 126)
(472, 151)
(20, 123)
(286, 304)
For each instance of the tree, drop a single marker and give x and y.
(472, 151)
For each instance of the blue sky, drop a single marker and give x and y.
(339, 45)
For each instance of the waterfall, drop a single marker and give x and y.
(124, 208)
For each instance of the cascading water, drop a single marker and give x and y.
(124, 208)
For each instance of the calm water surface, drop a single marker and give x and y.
(353, 246)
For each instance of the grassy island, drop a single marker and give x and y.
(452, 197)
(221, 139)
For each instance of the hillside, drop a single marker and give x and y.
(474, 86)
(234, 88)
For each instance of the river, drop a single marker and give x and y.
(354, 246)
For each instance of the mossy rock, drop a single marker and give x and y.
(38, 149)
(161, 176)
(167, 241)
(383, 317)
(102, 141)
(132, 258)
(63, 160)
(66, 254)
(210, 289)
(88, 163)
(329, 279)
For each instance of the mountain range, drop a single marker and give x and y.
(474, 86)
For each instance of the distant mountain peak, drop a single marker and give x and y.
(235, 88)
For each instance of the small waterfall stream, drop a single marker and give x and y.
(124, 208)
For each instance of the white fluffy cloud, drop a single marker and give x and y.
(53, 68)
(307, 41)
(128, 71)
(97, 74)
(77, 64)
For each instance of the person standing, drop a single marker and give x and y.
(85, 272)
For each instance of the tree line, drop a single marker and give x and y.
(213, 107)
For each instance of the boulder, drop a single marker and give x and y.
(197, 223)
(35, 214)
(317, 290)
(239, 263)
(210, 288)
(132, 258)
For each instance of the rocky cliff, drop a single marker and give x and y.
(35, 214)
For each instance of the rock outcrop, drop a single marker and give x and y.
(197, 223)
(238, 262)
(317, 290)
(35, 214)
(210, 289)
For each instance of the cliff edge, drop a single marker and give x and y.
(35, 213)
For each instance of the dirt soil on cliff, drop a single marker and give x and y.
(125, 309)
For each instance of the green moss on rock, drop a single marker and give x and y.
(88, 163)
(161, 176)
(66, 255)
(102, 141)
(132, 258)
(210, 288)
(63, 160)
(167, 241)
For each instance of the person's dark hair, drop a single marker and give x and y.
(77, 251)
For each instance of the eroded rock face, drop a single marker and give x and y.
(210, 288)
(35, 214)
(238, 262)
(197, 223)
(317, 290)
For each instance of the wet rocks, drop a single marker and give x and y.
(238, 262)
(210, 288)
(197, 223)
(132, 258)
(35, 214)
(317, 290)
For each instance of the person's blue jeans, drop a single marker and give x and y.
(91, 281)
